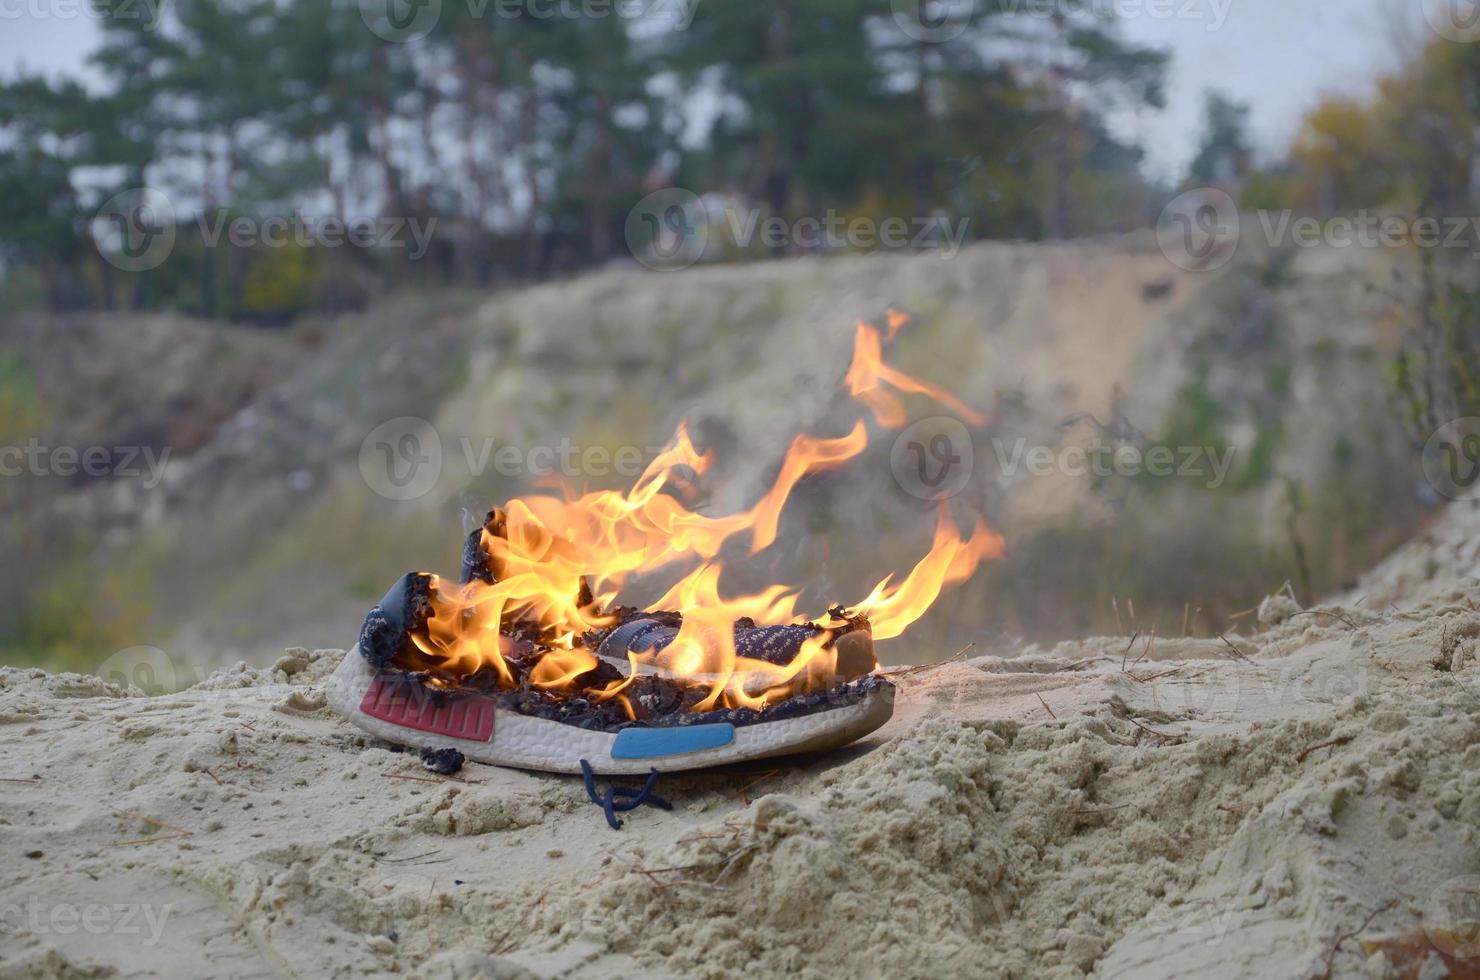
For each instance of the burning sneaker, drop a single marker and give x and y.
(530, 661)
(628, 710)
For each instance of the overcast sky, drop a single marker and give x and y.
(1278, 55)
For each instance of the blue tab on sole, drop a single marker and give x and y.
(649, 743)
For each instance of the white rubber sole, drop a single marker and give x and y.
(524, 742)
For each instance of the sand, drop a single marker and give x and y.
(1303, 802)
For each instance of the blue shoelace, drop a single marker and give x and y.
(631, 798)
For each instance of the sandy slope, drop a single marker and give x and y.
(1124, 808)
(272, 431)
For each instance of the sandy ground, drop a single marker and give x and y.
(1303, 801)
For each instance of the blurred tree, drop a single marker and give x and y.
(50, 133)
(802, 105)
(1223, 155)
(529, 131)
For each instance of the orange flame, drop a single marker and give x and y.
(560, 563)
(868, 376)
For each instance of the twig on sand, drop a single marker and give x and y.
(1237, 653)
(499, 948)
(744, 796)
(8, 779)
(922, 668)
(178, 832)
(445, 778)
(1343, 937)
(1324, 612)
(154, 821)
(1333, 743)
(1127, 652)
(1165, 736)
(1101, 811)
(1150, 641)
(147, 840)
(1046, 707)
(404, 860)
(654, 882)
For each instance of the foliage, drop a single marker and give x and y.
(1224, 153)
(529, 131)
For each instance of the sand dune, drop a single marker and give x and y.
(1304, 804)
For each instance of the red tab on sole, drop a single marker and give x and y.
(406, 703)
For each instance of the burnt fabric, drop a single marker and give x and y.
(773, 644)
(386, 632)
(475, 562)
